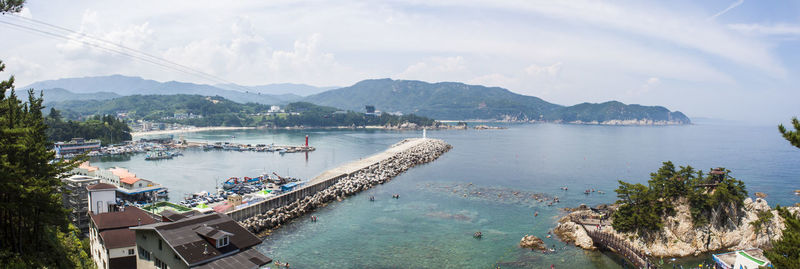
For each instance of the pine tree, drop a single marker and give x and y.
(786, 252)
(792, 136)
(34, 231)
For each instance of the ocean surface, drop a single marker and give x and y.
(439, 209)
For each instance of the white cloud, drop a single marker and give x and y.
(436, 69)
(544, 71)
(767, 29)
(649, 84)
(732, 6)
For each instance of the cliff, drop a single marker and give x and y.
(679, 237)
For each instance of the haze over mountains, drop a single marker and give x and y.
(443, 100)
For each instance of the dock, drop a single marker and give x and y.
(339, 182)
(362, 163)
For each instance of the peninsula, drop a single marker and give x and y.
(679, 213)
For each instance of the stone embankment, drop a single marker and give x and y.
(679, 237)
(360, 180)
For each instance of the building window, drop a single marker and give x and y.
(159, 244)
(130, 252)
(159, 264)
(144, 254)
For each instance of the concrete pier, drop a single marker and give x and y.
(340, 182)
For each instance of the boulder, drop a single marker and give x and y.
(532, 242)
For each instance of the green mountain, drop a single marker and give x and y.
(218, 111)
(459, 101)
(125, 85)
(444, 100)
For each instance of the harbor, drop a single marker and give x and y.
(340, 182)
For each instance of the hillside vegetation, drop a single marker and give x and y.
(218, 111)
(459, 101)
(713, 198)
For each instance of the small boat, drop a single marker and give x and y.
(478, 235)
(162, 194)
(158, 155)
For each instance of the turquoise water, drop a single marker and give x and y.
(431, 225)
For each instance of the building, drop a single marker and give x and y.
(274, 109)
(130, 187)
(742, 259)
(76, 146)
(200, 241)
(112, 243)
(102, 198)
(75, 197)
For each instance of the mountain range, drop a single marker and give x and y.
(443, 100)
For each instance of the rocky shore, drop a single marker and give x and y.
(679, 237)
(361, 180)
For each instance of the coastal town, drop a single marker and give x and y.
(503, 134)
(118, 210)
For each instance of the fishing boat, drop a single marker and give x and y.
(158, 155)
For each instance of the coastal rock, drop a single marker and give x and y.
(532, 242)
(361, 180)
(680, 238)
(571, 232)
(761, 195)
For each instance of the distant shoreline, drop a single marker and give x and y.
(189, 130)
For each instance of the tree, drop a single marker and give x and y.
(785, 253)
(34, 231)
(11, 6)
(792, 136)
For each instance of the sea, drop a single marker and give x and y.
(488, 183)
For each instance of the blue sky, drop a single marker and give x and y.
(722, 59)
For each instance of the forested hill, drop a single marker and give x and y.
(218, 111)
(125, 85)
(459, 101)
(444, 100)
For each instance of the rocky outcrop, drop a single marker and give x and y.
(679, 237)
(532, 242)
(571, 232)
(361, 180)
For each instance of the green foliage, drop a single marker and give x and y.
(792, 136)
(11, 6)
(107, 128)
(785, 253)
(639, 211)
(217, 111)
(34, 231)
(458, 101)
(642, 207)
(764, 217)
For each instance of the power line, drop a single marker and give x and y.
(55, 31)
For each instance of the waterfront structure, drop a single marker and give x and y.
(102, 198)
(75, 198)
(200, 241)
(130, 187)
(744, 259)
(76, 146)
(112, 243)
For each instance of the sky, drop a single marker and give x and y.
(726, 59)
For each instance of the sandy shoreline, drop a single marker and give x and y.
(189, 130)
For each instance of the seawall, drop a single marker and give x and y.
(340, 182)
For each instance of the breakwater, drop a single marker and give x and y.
(340, 182)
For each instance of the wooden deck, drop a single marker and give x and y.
(614, 243)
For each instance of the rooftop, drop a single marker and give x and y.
(129, 217)
(101, 186)
(183, 237)
(129, 180)
(118, 238)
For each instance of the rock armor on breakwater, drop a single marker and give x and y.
(363, 179)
